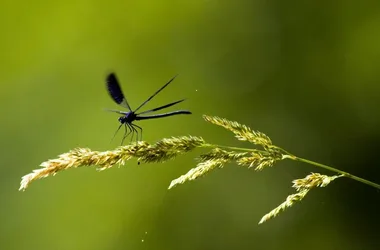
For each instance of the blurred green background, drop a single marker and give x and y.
(304, 73)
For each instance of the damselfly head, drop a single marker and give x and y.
(122, 119)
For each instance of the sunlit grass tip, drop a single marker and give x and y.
(242, 132)
(303, 186)
(290, 200)
(202, 169)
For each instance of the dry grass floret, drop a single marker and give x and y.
(168, 148)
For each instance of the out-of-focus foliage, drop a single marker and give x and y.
(305, 73)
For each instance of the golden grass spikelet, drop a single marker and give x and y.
(303, 186)
(314, 180)
(202, 169)
(218, 153)
(169, 148)
(242, 132)
(259, 160)
(158, 152)
(290, 200)
(80, 157)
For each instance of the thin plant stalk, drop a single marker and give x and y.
(262, 155)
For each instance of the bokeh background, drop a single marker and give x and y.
(304, 73)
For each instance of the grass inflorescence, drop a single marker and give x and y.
(264, 154)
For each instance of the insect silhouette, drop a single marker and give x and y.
(128, 117)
